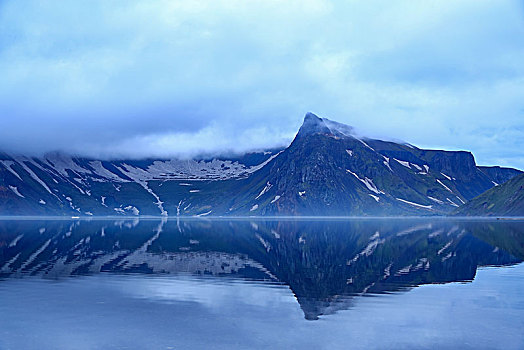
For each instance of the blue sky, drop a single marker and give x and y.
(177, 78)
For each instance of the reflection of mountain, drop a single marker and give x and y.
(325, 263)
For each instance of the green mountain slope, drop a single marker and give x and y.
(503, 200)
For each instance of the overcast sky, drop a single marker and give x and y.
(176, 78)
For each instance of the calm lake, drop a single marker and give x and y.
(253, 283)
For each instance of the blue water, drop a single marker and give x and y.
(403, 284)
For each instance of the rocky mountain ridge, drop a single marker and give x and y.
(327, 170)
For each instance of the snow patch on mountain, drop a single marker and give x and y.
(386, 163)
(415, 204)
(8, 165)
(261, 165)
(35, 177)
(446, 187)
(15, 241)
(101, 171)
(133, 209)
(436, 200)
(403, 162)
(446, 176)
(367, 182)
(416, 167)
(15, 190)
(264, 190)
(134, 174)
(377, 198)
(452, 203)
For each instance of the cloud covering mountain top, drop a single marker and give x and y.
(178, 78)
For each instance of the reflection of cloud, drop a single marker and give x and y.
(488, 311)
(213, 293)
(166, 78)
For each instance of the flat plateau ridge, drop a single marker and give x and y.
(326, 170)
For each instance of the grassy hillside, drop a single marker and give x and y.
(503, 200)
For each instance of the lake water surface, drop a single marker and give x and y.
(253, 283)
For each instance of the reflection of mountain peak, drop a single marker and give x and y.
(325, 264)
(313, 307)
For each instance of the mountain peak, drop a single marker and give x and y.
(315, 125)
(311, 117)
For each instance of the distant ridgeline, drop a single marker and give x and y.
(327, 170)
